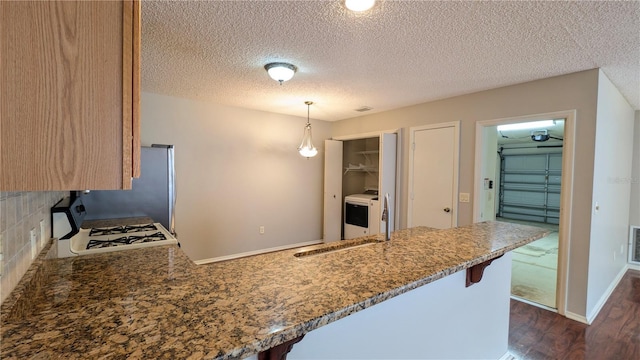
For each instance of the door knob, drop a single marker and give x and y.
(447, 210)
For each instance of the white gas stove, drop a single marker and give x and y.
(68, 215)
(117, 238)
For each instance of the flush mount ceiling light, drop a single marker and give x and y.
(527, 125)
(306, 147)
(280, 71)
(359, 5)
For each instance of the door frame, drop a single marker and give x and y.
(370, 134)
(456, 165)
(566, 188)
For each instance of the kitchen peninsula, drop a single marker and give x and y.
(155, 303)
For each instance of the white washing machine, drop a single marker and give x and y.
(361, 215)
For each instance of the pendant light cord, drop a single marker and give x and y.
(309, 103)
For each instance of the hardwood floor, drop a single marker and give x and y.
(536, 334)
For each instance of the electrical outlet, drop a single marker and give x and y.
(42, 234)
(464, 197)
(34, 244)
(261, 230)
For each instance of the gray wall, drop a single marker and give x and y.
(238, 169)
(573, 91)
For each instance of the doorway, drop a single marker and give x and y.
(530, 165)
(523, 175)
(359, 171)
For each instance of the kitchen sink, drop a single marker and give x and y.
(337, 246)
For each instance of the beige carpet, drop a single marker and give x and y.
(534, 269)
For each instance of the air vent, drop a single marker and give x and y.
(634, 242)
(363, 108)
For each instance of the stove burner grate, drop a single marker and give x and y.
(125, 240)
(122, 229)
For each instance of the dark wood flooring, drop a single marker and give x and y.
(536, 334)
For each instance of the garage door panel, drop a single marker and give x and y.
(530, 187)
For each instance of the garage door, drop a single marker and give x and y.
(530, 187)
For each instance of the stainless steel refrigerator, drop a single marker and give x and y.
(152, 194)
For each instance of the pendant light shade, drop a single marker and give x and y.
(306, 147)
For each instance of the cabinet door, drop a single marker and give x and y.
(68, 116)
(332, 224)
(387, 177)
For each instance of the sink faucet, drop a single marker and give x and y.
(386, 217)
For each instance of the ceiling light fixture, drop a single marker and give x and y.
(359, 5)
(527, 125)
(306, 147)
(280, 71)
(540, 135)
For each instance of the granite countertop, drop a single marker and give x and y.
(156, 303)
(101, 223)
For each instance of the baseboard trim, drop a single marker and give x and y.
(533, 303)
(256, 252)
(633, 266)
(508, 356)
(576, 317)
(603, 299)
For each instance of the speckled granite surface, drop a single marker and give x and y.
(88, 224)
(155, 303)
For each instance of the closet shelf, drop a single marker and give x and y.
(360, 168)
(367, 152)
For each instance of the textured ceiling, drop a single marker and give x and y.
(399, 53)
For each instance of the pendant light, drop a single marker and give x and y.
(306, 147)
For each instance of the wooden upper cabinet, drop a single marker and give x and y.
(70, 95)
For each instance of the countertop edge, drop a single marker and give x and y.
(304, 328)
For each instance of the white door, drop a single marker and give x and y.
(433, 169)
(387, 178)
(332, 224)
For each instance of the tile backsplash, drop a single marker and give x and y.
(20, 212)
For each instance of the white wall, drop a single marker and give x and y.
(489, 171)
(568, 92)
(634, 208)
(611, 192)
(238, 169)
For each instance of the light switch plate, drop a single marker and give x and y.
(34, 244)
(464, 197)
(42, 234)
